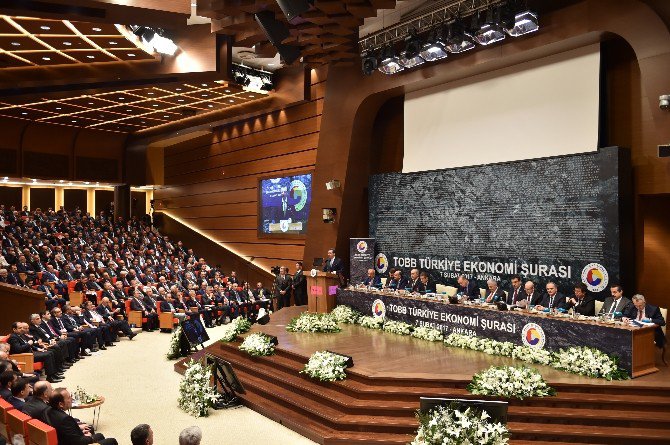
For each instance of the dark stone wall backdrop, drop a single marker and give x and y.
(544, 219)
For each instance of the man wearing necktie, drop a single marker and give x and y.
(552, 299)
(516, 293)
(644, 312)
(617, 303)
(333, 264)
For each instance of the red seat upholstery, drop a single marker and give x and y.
(41, 434)
(5, 406)
(17, 423)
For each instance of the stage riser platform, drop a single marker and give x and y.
(375, 408)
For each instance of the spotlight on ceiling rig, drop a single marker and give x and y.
(390, 63)
(411, 57)
(434, 48)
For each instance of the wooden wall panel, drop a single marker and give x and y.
(212, 184)
(42, 198)
(655, 211)
(73, 198)
(11, 196)
(103, 200)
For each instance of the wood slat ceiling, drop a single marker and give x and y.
(131, 110)
(36, 42)
(327, 33)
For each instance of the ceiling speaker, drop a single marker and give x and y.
(289, 53)
(293, 8)
(275, 30)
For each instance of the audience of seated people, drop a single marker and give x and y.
(109, 262)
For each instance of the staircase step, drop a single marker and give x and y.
(588, 434)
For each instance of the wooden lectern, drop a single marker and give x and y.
(321, 291)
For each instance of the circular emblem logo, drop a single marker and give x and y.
(532, 335)
(595, 277)
(378, 308)
(381, 263)
(298, 194)
(362, 247)
(313, 272)
(283, 225)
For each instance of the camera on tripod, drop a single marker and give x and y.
(275, 270)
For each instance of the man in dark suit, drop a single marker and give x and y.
(196, 308)
(283, 288)
(67, 429)
(582, 302)
(516, 293)
(92, 317)
(107, 312)
(427, 286)
(50, 341)
(20, 392)
(372, 279)
(299, 285)
(333, 264)
(414, 281)
(616, 305)
(467, 289)
(553, 299)
(36, 405)
(398, 282)
(71, 342)
(494, 294)
(64, 325)
(136, 304)
(20, 344)
(531, 297)
(644, 312)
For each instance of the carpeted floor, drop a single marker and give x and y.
(140, 386)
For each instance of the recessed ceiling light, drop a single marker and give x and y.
(142, 122)
(210, 106)
(45, 27)
(251, 96)
(90, 57)
(204, 84)
(46, 58)
(227, 91)
(61, 181)
(180, 100)
(121, 98)
(97, 29)
(16, 44)
(87, 183)
(204, 95)
(150, 93)
(74, 121)
(67, 43)
(91, 103)
(271, 64)
(178, 89)
(131, 55)
(24, 113)
(112, 42)
(58, 108)
(69, 183)
(231, 100)
(129, 111)
(154, 105)
(165, 115)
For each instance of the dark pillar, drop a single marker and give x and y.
(122, 201)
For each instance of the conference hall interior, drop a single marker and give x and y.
(336, 222)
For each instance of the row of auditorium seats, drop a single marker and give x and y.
(34, 432)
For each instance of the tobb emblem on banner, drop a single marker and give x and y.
(532, 335)
(378, 308)
(381, 263)
(595, 277)
(362, 247)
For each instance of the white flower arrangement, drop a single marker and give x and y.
(426, 333)
(257, 344)
(450, 426)
(234, 328)
(510, 382)
(579, 360)
(590, 362)
(533, 355)
(175, 345)
(196, 394)
(371, 322)
(326, 366)
(311, 322)
(345, 314)
(397, 327)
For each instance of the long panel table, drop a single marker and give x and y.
(634, 346)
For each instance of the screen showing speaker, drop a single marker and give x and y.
(284, 204)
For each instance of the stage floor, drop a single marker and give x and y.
(382, 354)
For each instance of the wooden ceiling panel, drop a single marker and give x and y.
(6, 28)
(25, 113)
(113, 42)
(46, 58)
(97, 29)
(131, 55)
(89, 56)
(43, 27)
(66, 42)
(21, 43)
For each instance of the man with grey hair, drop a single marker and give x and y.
(643, 312)
(190, 436)
(494, 293)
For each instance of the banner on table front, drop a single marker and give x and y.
(361, 258)
(520, 328)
